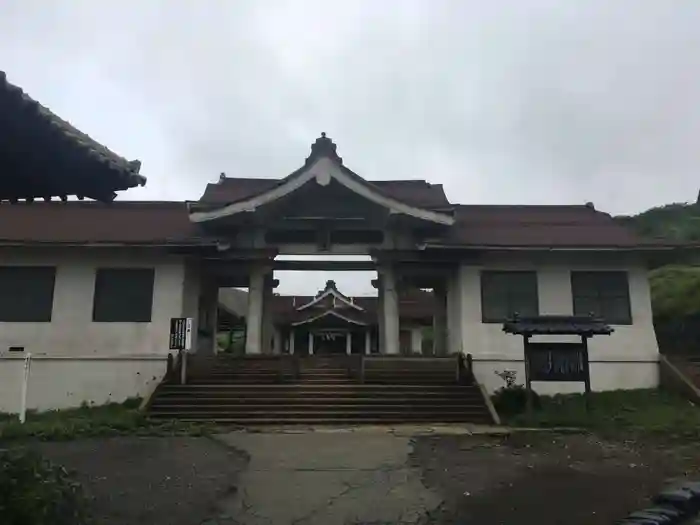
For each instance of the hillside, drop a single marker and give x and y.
(675, 290)
(678, 221)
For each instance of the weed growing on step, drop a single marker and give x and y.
(114, 419)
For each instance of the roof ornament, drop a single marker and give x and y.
(222, 177)
(323, 147)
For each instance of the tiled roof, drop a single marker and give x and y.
(557, 325)
(414, 192)
(95, 222)
(538, 226)
(16, 98)
(477, 226)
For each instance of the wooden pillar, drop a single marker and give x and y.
(417, 340)
(277, 341)
(380, 318)
(291, 341)
(440, 320)
(254, 320)
(348, 342)
(368, 341)
(311, 343)
(390, 311)
(268, 328)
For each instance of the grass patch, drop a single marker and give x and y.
(629, 411)
(114, 419)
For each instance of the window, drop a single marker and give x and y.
(605, 294)
(506, 293)
(26, 293)
(123, 295)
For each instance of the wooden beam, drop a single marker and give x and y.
(330, 266)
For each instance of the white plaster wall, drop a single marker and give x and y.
(626, 359)
(56, 383)
(71, 331)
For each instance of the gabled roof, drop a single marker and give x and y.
(322, 166)
(418, 193)
(331, 291)
(27, 119)
(342, 315)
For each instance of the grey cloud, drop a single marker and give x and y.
(501, 101)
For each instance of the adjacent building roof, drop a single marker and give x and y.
(74, 222)
(71, 163)
(565, 226)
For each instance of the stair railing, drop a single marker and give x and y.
(169, 367)
(173, 370)
(465, 367)
(296, 363)
(182, 358)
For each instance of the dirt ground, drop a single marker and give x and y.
(151, 481)
(522, 478)
(550, 479)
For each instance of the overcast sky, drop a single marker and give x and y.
(501, 101)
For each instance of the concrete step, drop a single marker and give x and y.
(330, 422)
(305, 396)
(219, 372)
(327, 416)
(163, 401)
(324, 389)
(313, 408)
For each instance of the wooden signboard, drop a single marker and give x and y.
(558, 361)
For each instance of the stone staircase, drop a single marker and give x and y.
(322, 390)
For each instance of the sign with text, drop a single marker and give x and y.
(557, 361)
(181, 333)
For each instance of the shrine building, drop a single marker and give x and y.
(89, 289)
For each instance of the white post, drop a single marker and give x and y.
(268, 328)
(277, 341)
(254, 320)
(380, 317)
(291, 342)
(348, 342)
(390, 311)
(311, 343)
(214, 320)
(416, 340)
(368, 342)
(25, 387)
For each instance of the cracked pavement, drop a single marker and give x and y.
(329, 479)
